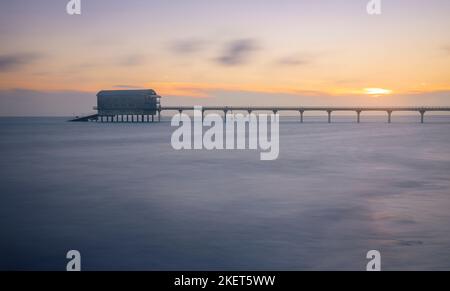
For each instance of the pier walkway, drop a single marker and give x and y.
(275, 109)
(301, 110)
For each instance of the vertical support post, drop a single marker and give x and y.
(422, 116)
(329, 116)
(225, 111)
(358, 116)
(301, 115)
(159, 115)
(389, 116)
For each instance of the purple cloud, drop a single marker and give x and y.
(238, 52)
(14, 61)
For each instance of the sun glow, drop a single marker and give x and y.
(377, 91)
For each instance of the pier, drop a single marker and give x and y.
(144, 118)
(301, 110)
(143, 105)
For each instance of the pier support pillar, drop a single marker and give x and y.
(389, 116)
(159, 115)
(329, 116)
(422, 116)
(358, 113)
(225, 112)
(301, 115)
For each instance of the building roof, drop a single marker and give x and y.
(127, 92)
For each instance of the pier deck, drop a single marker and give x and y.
(275, 109)
(302, 109)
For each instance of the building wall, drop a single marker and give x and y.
(123, 102)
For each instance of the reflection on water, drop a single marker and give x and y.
(120, 195)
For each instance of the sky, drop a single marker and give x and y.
(223, 52)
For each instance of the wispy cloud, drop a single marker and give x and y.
(186, 46)
(299, 59)
(205, 90)
(131, 60)
(294, 61)
(446, 49)
(15, 61)
(127, 87)
(238, 52)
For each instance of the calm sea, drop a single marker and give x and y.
(126, 200)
